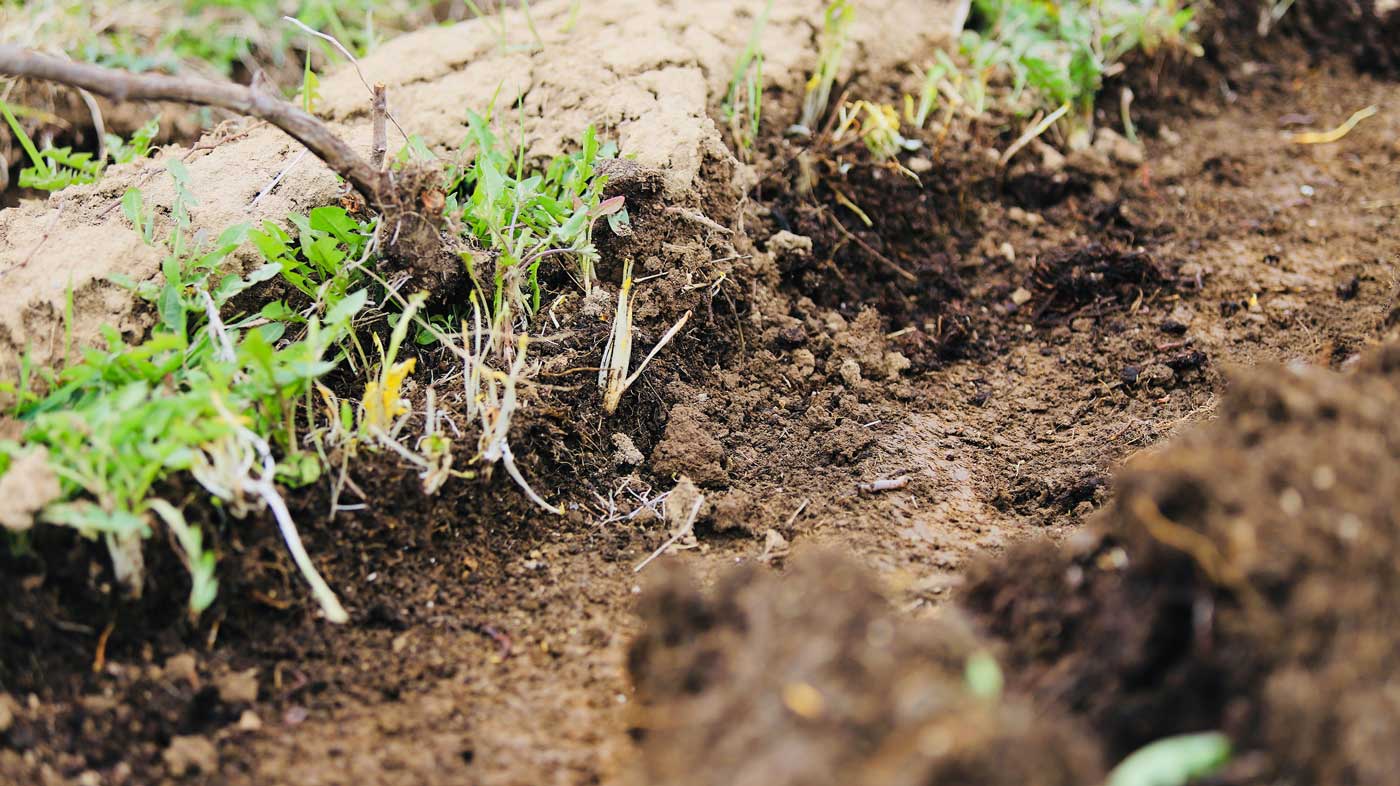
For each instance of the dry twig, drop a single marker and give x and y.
(122, 86)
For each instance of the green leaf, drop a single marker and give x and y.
(204, 586)
(620, 223)
(172, 310)
(347, 308)
(983, 676)
(272, 242)
(1173, 761)
(256, 348)
(270, 333)
(277, 311)
(90, 520)
(310, 86)
(324, 253)
(133, 207)
(24, 140)
(264, 273)
(299, 469)
(336, 221)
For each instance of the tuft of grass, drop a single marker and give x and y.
(743, 102)
(55, 168)
(234, 399)
(220, 36)
(1063, 52)
(835, 34)
(524, 218)
(121, 419)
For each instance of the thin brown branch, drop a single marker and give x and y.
(122, 86)
(379, 109)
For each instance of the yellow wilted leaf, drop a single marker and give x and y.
(382, 403)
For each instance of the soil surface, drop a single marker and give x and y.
(1239, 575)
(955, 382)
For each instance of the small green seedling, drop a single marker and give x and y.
(528, 218)
(1174, 761)
(743, 102)
(836, 32)
(56, 168)
(983, 676)
(930, 85)
(310, 86)
(1063, 52)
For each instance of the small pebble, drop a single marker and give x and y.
(1025, 218)
(182, 668)
(191, 754)
(249, 721)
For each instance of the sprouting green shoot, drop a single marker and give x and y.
(836, 31)
(928, 94)
(525, 219)
(310, 86)
(1063, 52)
(56, 168)
(743, 102)
(1174, 761)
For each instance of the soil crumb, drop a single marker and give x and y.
(1094, 278)
(757, 684)
(26, 487)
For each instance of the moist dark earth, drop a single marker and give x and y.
(997, 345)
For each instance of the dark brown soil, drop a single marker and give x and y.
(1364, 30)
(1238, 577)
(758, 684)
(489, 642)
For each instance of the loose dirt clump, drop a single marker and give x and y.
(871, 236)
(1241, 580)
(1094, 279)
(758, 683)
(1364, 30)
